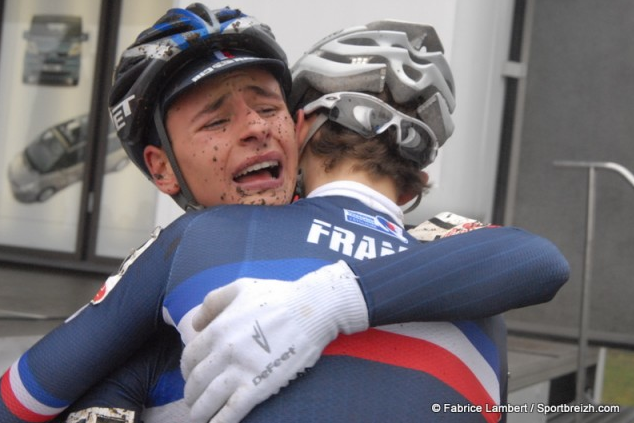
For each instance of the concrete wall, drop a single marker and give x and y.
(578, 107)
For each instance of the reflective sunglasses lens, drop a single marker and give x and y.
(381, 120)
(417, 143)
(413, 136)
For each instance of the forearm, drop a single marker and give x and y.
(64, 364)
(468, 276)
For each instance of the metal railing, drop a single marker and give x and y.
(584, 319)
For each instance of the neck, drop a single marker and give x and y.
(347, 172)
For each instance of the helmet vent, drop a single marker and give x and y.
(360, 42)
(335, 58)
(412, 73)
(406, 57)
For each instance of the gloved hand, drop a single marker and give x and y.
(256, 335)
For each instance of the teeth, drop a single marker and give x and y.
(256, 167)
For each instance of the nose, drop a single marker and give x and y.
(256, 128)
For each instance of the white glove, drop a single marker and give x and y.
(256, 335)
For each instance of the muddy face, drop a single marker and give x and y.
(234, 140)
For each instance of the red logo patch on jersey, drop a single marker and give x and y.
(112, 281)
(100, 294)
(106, 288)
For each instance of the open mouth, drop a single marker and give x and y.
(259, 172)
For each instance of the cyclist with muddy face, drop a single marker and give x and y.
(200, 99)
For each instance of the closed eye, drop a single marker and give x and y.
(216, 124)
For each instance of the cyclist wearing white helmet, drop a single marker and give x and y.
(374, 104)
(162, 285)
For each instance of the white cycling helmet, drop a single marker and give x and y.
(407, 57)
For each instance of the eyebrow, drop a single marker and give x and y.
(264, 92)
(217, 104)
(210, 108)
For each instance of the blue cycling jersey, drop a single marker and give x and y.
(398, 365)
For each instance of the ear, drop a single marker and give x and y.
(302, 126)
(424, 177)
(159, 166)
(406, 197)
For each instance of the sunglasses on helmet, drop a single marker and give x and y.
(369, 116)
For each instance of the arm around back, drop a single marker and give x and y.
(467, 276)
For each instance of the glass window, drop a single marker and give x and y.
(129, 200)
(47, 62)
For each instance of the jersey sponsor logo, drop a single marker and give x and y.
(105, 289)
(346, 242)
(377, 223)
(113, 280)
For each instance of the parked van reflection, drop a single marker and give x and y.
(53, 52)
(56, 159)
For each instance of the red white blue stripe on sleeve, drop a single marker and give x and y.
(25, 398)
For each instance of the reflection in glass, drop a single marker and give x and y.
(53, 50)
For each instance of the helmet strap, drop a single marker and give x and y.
(319, 121)
(414, 204)
(185, 199)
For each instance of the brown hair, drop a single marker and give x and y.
(379, 156)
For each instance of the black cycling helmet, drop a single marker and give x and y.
(406, 57)
(178, 51)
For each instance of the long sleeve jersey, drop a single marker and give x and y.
(498, 269)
